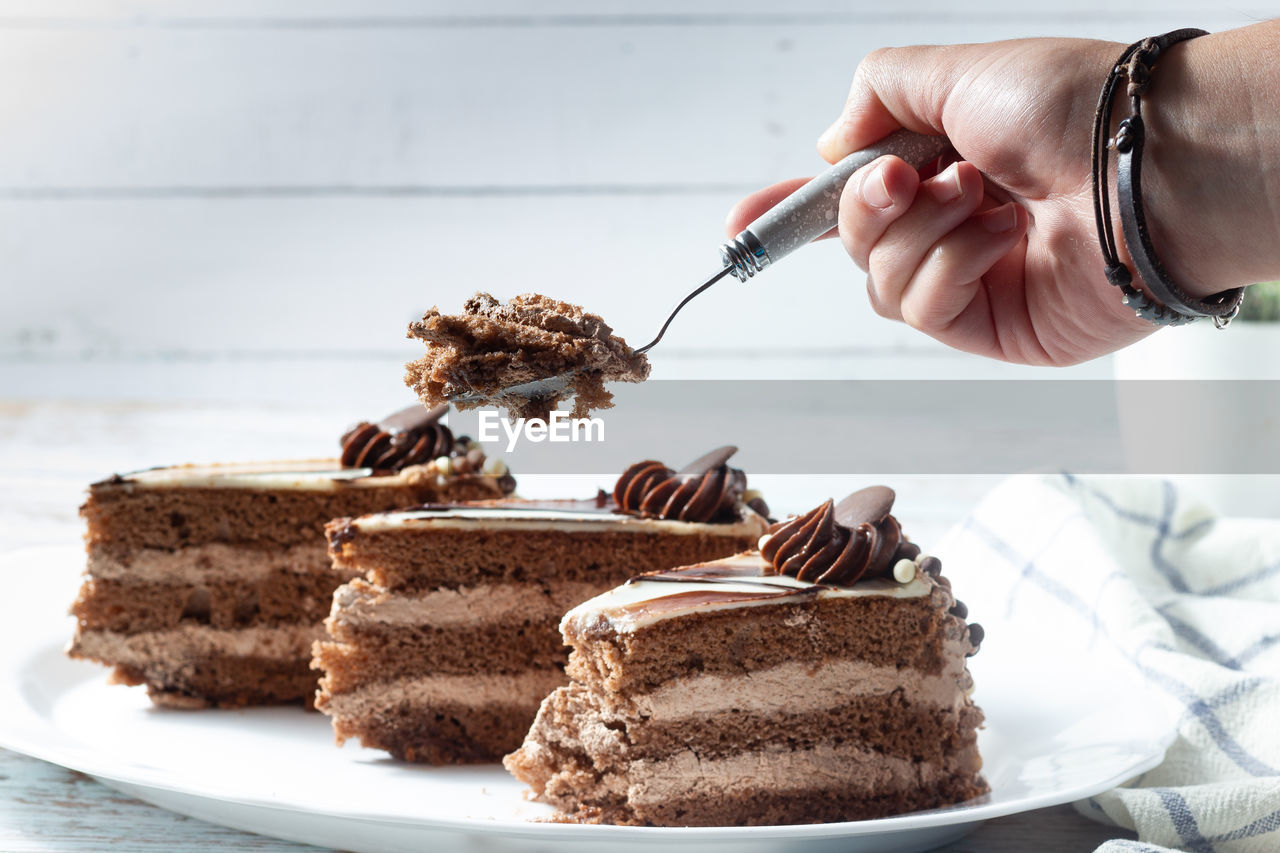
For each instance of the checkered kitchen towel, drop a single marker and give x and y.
(1193, 602)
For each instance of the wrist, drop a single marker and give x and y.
(1209, 175)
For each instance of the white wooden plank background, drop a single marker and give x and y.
(423, 107)
(397, 12)
(211, 178)
(348, 274)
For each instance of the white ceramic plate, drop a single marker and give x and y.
(1058, 729)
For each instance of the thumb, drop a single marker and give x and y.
(899, 87)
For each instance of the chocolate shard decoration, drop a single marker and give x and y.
(414, 418)
(865, 506)
(708, 462)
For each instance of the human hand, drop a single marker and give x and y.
(998, 254)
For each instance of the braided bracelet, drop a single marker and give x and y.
(1172, 305)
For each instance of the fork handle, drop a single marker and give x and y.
(811, 211)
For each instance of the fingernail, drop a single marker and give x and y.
(946, 186)
(875, 191)
(1001, 220)
(826, 136)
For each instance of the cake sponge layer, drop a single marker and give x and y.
(442, 719)
(377, 636)
(278, 596)
(808, 712)
(913, 633)
(779, 785)
(200, 667)
(124, 514)
(434, 556)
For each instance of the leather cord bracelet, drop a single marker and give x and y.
(1171, 305)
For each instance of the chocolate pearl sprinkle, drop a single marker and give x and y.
(959, 610)
(760, 507)
(976, 636)
(931, 566)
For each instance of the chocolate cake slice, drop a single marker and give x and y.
(492, 346)
(444, 648)
(209, 584)
(822, 678)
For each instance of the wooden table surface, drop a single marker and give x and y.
(42, 476)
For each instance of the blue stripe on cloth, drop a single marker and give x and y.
(1184, 822)
(1239, 583)
(1162, 526)
(1194, 704)
(1203, 712)
(1158, 559)
(1261, 826)
(1029, 565)
(1234, 691)
(1257, 647)
(1211, 649)
(1027, 569)
(1189, 532)
(1193, 637)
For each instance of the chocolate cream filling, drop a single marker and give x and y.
(359, 602)
(211, 561)
(521, 690)
(177, 647)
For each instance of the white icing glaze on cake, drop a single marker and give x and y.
(618, 606)
(545, 519)
(301, 474)
(313, 475)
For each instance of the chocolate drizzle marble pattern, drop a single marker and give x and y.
(740, 580)
(747, 580)
(840, 544)
(706, 490)
(600, 505)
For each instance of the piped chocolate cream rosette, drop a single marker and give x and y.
(415, 437)
(705, 490)
(412, 436)
(841, 544)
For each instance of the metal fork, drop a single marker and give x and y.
(796, 221)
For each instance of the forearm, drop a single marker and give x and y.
(1211, 175)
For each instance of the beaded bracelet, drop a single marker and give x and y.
(1172, 306)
